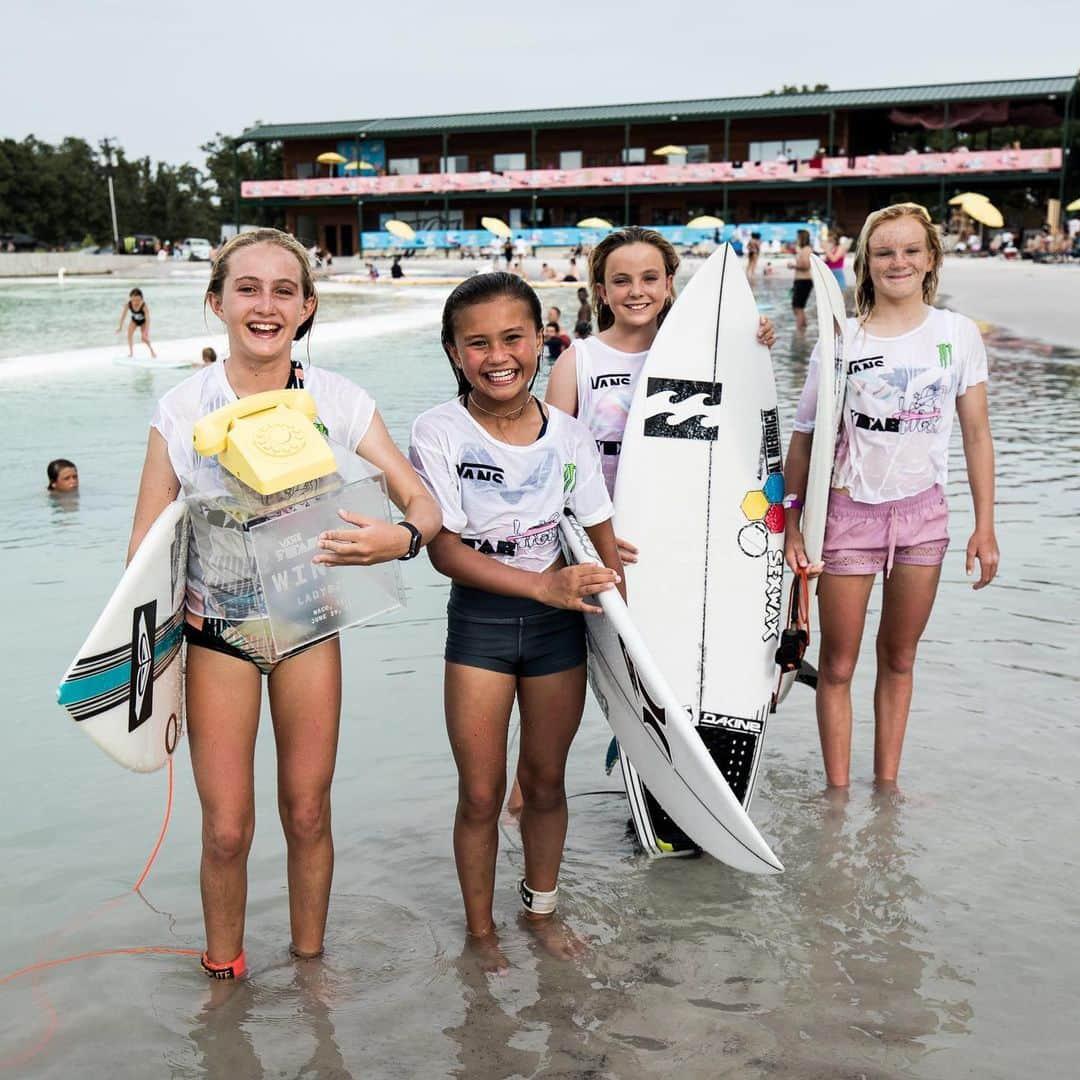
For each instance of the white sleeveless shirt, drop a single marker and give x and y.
(606, 379)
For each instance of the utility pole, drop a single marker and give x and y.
(106, 146)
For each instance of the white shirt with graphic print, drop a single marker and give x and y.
(343, 407)
(504, 500)
(606, 379)
(900, 404)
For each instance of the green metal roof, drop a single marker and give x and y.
(706, 108)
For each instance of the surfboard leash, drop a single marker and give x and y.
(132, 950)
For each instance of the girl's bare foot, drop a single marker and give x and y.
(487, 953)
(555, 936)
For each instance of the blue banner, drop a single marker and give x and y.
(453, 239)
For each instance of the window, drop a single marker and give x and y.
(570, 159)
(505, 162)
(305, 170)
(697, 154)
(633, 155)
(792, 149)
(404, 166)
(454, 164)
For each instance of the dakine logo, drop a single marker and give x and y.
(875, 423)
(486, 547)
(732, 723)
(866, 364)
(652, 715)
(141, 685)
(682, 409)
(477, 470)
(774, 582)
(602, 382)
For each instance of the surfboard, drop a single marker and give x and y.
(147, 364)
(700, 492)
(654, 729)
(125, 686)
(832, 383)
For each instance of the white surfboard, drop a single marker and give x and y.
(125, 685)
(151, 364)
(832, 383)
(700, 492)
(655, 731)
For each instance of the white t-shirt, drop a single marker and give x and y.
(606, 379)
(900, 404)
(505, 500)
(344, 409)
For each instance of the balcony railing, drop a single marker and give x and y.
(725, 172)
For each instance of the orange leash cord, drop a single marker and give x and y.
(135, 950)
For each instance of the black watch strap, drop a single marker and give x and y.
(414, 543)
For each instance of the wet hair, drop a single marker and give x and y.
(583, 294)
(55, 467)
(219, 269)
(802, 238)
(480, 289)
(208, 355)
(136, 292)
(632, 234)
(864, 287)
(583, 329)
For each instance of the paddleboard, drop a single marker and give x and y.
(832, 383)
(146, 364)
(125, 685)
(654, 729)
(700, 492)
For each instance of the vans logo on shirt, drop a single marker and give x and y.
(481, 472)
(600, 382)
(865, 364)
(944, 354)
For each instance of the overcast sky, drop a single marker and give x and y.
(161, 78)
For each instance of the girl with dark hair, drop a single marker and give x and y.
(262, 290)
(63, 475)
(139, 312)
(503, 468)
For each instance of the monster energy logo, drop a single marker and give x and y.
(321, 428)
(569, 477)
(944, 354)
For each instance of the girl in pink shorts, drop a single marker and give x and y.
(911, 368)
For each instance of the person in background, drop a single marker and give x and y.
(209, 356)
(753, 253)
(555, 341)
(804, 284)
(835, 256)
(584, 313)
(63, 475)
(139, 311)
(548, 272)
(572, 271)
(582, 329)
(395, 268)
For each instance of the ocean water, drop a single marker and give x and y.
(929, 932)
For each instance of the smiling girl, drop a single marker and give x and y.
(503, 468)
(262, 290)
(911, 368)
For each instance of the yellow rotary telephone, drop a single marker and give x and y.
(268, 441)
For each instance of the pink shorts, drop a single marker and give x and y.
(863, 538)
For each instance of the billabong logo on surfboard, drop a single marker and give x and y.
(141, 687)
(682, 409)
(653, 716)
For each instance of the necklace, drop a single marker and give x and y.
(513, 415)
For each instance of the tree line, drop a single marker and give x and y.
(58, 193)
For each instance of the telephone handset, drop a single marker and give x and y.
(268, 441)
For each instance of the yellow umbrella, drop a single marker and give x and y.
(331, 157)
(706, 221)
(366, 166)
(985, 213)
(958, 200)
(400, 229)
(497, 226)
(1074, 205)
(670, 151)
(594, 223)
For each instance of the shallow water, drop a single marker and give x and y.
(929, 933)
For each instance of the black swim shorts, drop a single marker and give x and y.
(800, 293)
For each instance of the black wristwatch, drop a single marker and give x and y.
(414, 543)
